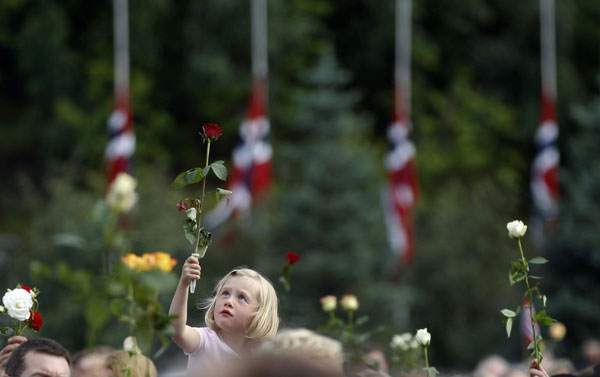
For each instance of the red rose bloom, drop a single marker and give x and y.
(26, 288)
(211, 131)
(181, 206)
(292, 257)
(35, 321)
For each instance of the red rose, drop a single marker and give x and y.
(181, 206)
(292, 257)
(35, 321)
(26, 288)
(211, 131)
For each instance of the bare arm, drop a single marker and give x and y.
(13, 343)
(185, 336)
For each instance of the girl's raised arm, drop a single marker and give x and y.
(185, 336)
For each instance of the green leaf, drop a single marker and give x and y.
(179, 181)
(509, 322)
(538, 260)
(219, 169)
(508, 313)
(515, 276)
(194, 175)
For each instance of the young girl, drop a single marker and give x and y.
(242, 312)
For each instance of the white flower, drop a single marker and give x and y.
(2, 310)
(121, 195)
(516, 229)
(423, 337)
(349, 303)
(18, 303)
(130, 345)
(328, 303)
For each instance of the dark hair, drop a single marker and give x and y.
(16, 362)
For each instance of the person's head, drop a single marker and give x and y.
(591, 351)
(122, 364)
(491, 366)
(92, 363)
(244, 301)
(39, 357)
(306, 345)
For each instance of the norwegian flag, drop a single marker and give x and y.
(251, 174)
(121, 143)
(402, 190)
(544, 172)
(525, 322)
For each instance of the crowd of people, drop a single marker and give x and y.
(241, 339)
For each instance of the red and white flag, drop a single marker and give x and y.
(121, 143)
(251, 174)
(401, 193)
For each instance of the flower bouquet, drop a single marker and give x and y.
(21, 305)
(195, 233)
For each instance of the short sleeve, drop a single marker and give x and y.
(202, 332)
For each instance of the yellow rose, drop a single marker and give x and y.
(148, 262)
(164, 261)
(131, 261)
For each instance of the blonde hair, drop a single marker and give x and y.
(138, 365)
(265, 320)
(307, 345)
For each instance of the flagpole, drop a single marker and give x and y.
(260, 66)
(121, 43)
(402, 58)
(548, 49)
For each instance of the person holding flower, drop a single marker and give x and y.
(241, 314)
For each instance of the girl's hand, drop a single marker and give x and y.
(190, 271)
(537, 370)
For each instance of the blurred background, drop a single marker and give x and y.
(474, 106)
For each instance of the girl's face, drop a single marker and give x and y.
(236, 304)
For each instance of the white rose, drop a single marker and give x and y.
(18, 303)
(423, 337)
(328, 303)
(121, 195)
(349, 303)
(516, 229)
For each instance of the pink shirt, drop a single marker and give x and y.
(211, 353)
